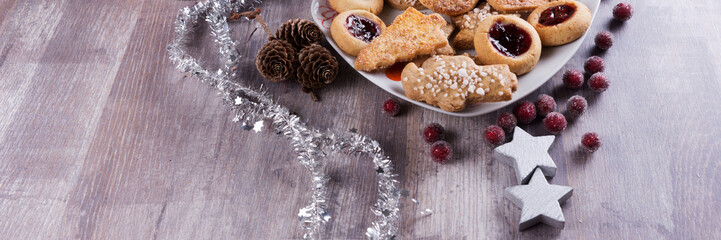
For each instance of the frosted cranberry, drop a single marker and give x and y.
(509, 39)
(604, 40)
(391, 106)
(555, 123)
(525, 112)
(545, 104)
(594, 64)
(623, 11)
(507, 121)
(556, 15)
(362, 28)
(433, 132)
(573, 79)
(591, 141)
(598, 82)
(494, 135)
(441, 152)
(576, 106)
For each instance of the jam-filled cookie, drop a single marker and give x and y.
(450, 7)
(516, 5)
(374, 6)
(353, 30)
(403, 4)
(560, 22)
(506, 39)
(467, 24)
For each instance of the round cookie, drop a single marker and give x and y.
(450, 7)
(403, 4)
(507, 39)
(353, 30)
(560, 22)
(373, 6)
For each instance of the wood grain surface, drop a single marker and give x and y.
(102, 138)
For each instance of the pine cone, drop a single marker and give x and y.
(299, 32)
(276, 60)
(318, 67)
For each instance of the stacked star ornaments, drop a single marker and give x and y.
(539, 201)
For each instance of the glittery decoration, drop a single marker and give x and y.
(253, 107)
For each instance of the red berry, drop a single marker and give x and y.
(598, 82)
(441, 152)
(494, 135)
(591, 141)
(555, 122)
(623, 11)
(507, 121)
(545, 104)
(433, 132)
(525, 112)
(604, 40)
(594, 64)
(391, 106)
(576, 106)
(573, 79)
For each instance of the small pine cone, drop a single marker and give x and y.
(276, 60)
(317, 68)
(299, 32)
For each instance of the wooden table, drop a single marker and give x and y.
(102, 138)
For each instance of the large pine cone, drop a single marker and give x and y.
(299, 32)
(317, 68)
(276, 60)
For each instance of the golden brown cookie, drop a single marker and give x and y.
(447, 49)
(412, 34)
(467, 24)
(516, 5)
(450, 7)
(373, 6)
(453, 82)
(506, 39)
(355, 29)
(560, 22)
(403, 4)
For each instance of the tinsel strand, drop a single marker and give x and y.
(251, 106)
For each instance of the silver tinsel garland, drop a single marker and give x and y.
(252, 107)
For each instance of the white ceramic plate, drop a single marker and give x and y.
(552, 59)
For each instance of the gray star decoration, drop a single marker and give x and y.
(539, 201)
(525, 153)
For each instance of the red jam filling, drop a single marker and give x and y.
(362, 28)
(557, 14)
(509, 39)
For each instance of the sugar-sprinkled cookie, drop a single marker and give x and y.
(453, 82)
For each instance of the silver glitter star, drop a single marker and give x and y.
(525, 153)
(539, 201)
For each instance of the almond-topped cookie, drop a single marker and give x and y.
(453, 82)
(412, 34)
(516, 5)
(450, 7)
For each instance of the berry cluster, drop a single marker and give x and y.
(441, 151)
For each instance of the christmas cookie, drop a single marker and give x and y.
(506, 39)
(453, 82)
(412, 34)
(374, 6)
(450, 7)
(467, 24)
(447, 49)
(516, 5)
(560, 22)
(355, 29)
(404, 4)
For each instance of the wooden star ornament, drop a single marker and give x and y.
(539, 201)
(525, 153)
